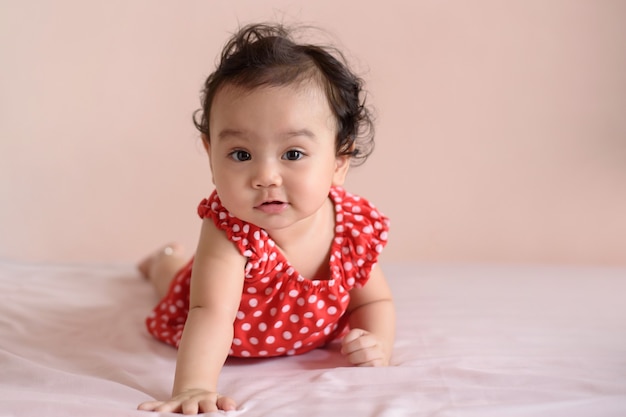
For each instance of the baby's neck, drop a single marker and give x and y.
(307, 246)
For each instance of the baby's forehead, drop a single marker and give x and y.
(311, 92)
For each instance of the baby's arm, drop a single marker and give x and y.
(373, 323)
(216, 285)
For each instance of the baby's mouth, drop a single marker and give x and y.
(272, 207)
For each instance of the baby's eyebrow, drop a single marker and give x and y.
(227, 133)
(242, 134)
(301, 132)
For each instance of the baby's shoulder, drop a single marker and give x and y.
(352, 209)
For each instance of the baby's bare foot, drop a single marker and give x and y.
(165, 254)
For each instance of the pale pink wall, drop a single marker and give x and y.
(501, 134)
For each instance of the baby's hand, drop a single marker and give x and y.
(192, 401)
(363, 348)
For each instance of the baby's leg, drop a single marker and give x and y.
(161, 266)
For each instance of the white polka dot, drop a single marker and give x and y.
(383, 235)
(257, 313)
(173, 309)
(254, 341)
(379, 248)
(312, 298)
(263, 353)
(321, 304)
(308, 315)
(297, 345)
(350, 281)
(270, 339)
(236, 342)
(304, 330)
(291, 352)
(356, 209)
(278, 324)
(236, 228)
(246, 326)
(358, 217)
(253, 302)
(360, 250)
(251, 290)
(285, 308)
(246, 228)
(294, 318)
(245, 353)
(332, 310)
(262, 327)
(368, 229)
(257, 235)
(177, 288)
(347, 266)
(320, 322)
(300, 301)
(287, 335)
(273, 311)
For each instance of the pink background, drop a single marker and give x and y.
(501, 124)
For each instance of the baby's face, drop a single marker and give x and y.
(272, 153)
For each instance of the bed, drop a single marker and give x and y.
(473, 340)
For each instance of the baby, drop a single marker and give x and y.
(287, 259)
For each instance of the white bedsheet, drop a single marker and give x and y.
(472, 341)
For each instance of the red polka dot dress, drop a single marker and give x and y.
(281, 312)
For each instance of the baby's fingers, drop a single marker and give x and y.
(357, 339)
(206, 405)
(226, 403)
(162, 406)
(362, 348)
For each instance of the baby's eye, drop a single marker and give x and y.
(240, 155)
(293, 155)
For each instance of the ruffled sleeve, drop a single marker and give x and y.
(361, 233)
(249, 239)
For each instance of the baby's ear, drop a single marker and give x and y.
(342, 165)
(206, 143)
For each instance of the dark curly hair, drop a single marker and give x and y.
(267, 55)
